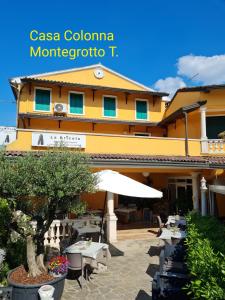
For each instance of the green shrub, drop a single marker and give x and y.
(205, 257)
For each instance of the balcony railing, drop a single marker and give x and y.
(213, 146)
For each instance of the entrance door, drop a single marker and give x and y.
(180, 195)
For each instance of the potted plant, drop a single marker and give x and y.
(77, 209)
(58, 266)
(36, 185)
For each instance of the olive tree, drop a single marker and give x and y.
(39, 185)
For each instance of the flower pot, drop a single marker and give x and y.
(30, 291)
(55, 275)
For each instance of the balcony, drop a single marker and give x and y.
(114, 144)
(213, 146)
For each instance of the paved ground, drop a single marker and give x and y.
(128, 277)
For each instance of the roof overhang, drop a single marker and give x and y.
(178, 114)
(92, 87)
(85, 120)
(144, 161)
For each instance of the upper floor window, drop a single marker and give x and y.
(76, 101)
(42, 99)
(214, 126)
(141, 110)
(109, 106)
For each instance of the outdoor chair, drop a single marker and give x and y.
(76, 263)
(160, 223)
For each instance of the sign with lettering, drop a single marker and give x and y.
(7, 135)
(40, 139)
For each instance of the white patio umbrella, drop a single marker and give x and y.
(114, 182)
(117, 183)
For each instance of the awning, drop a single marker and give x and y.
(117, 183)
(220, 189)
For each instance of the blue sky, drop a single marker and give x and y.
(162, 44)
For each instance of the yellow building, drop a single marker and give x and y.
(128, 127)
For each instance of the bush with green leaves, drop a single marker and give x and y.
(205, 257)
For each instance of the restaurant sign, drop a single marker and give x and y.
(7, 135)
(58, 140)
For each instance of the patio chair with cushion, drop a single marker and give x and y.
(76, 263)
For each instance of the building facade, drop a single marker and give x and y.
(128, 127)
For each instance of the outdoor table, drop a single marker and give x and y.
(82, 229)
(91, 252)
(167, 234)
(176, 220)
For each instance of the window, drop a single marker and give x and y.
(142, 134)
(141, 110)
(42, 99)
(77, 103)
(214, 126)
(109, 104)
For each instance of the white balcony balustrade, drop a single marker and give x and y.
(61, 229)
(216, 146)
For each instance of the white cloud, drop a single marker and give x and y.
(204, 69)
(169, 85)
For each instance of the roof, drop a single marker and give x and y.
(18, 79)
(205, 162)
(200, 88)
(179, 113)
(82, 119)
(93, 87)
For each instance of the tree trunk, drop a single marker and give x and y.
(40, 263)
(31, 255)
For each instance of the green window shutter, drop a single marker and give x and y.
(76, 104)
(42, 100)
(141, 110)
(109, 107)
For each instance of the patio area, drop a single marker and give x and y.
(129, 275)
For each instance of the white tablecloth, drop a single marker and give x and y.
(91, 252)
(173, 220)
(167, 234)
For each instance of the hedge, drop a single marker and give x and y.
(205, 257)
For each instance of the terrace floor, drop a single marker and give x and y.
(129, 275)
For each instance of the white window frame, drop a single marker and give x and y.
(141, 100)
(109, 96)
(34, 99)
(80, 93)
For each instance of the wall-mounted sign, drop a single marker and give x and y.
(7, 135)
(40, 139)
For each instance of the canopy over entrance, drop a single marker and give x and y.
(220, 189)
(117, 183)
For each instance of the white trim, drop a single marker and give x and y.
(16, 79)
(109, 96)
(141, 100)
(75, 92)
(210, 116)
(34, 98)
(215, 109)
(107, 134)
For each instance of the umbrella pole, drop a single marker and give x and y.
(101, 230)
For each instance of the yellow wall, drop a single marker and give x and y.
(183, 99)
(215, 101)
(94, 109)
(87, 77)
(119, 144)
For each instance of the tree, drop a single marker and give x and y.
(39, 185)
